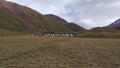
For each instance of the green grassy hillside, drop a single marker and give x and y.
(72, 26)
(17, 18)
(75, 28)
(10, 33)
(100, 32)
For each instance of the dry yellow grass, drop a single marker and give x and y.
(58, 52)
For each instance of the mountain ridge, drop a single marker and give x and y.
(72, 26)
(15, 17)
(57, 18)
(115, 24)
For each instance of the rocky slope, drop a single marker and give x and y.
(115, 24)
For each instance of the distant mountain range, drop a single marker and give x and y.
(21, 19)
(110, 31)
(17, 18)
(115, 24)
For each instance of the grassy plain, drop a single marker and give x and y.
(58, 52)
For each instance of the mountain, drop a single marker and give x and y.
(101, 32)
(57, 18)
(115, 24)
(104, 29)
(72, 26)
(17, 18)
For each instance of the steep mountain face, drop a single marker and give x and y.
(19, 18)
(72, 26)
(115, 24)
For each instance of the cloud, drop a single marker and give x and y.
(88, 13)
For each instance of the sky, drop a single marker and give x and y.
(86, 13)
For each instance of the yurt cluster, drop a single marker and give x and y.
(52, 35)
(58, 35)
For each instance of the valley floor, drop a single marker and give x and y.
(58, 52)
